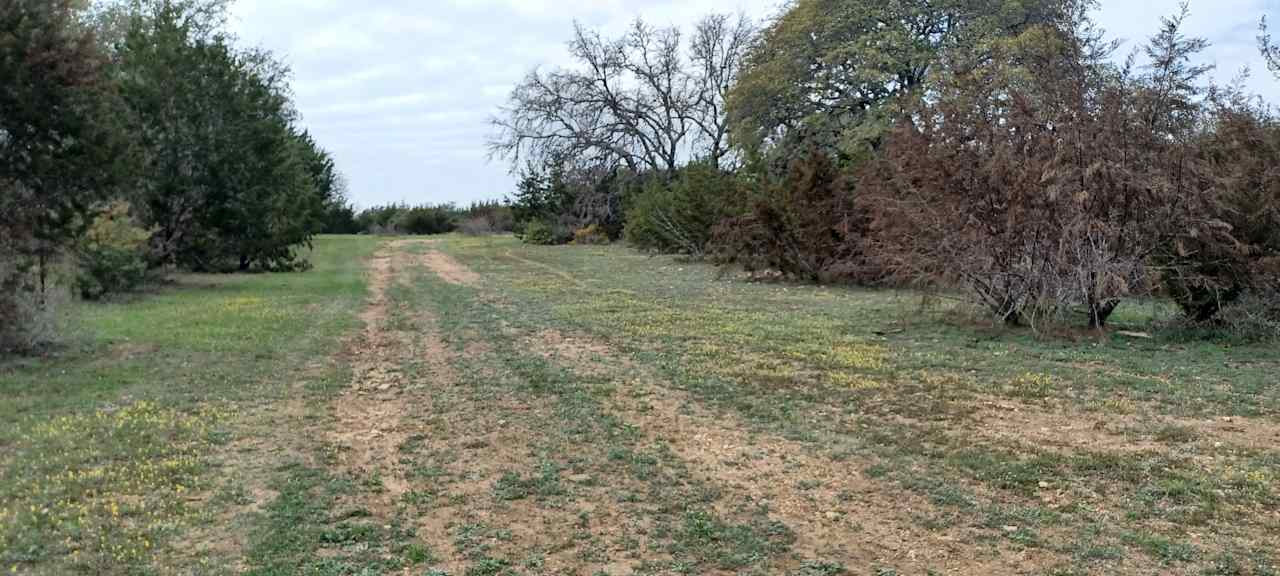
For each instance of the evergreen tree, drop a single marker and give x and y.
(61, 148)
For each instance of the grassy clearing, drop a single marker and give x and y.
(515, 410)
(1100, 455)
(114, 448)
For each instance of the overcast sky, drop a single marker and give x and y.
(400, 90)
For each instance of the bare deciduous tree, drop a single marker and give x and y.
(719, 45)
(644, 101)
(1270, 51)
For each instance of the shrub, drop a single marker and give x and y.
(1211, 266)
(591, 235)
(1039, 177)
(1254, 316)
(680, 216)
(425, 220)
(809, 227)
(543, 233)
(63, 148)
(483, 218)
(380, 219)
(569, 197)
(543, 194)
(477, 226)
(340, 218)
(21, 313)
(111, 256)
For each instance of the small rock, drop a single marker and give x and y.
(832, 515)
(580, 478)
(1010, 528)
(1045, 485)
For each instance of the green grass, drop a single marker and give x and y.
(897, 384)
(535, 440)
(109, 447)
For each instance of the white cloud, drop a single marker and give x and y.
(396, 87)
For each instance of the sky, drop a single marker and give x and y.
(401, 91)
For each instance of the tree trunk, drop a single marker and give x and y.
(1099, 312)
(43, 264)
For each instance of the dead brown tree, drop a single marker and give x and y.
(1041, 178)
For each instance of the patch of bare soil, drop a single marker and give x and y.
(369, 413)
(382, 408)
(450, 270)
(582, 355)
(472, 444)
(1067, 429)
(1059, 429)
(836, 513)
(478, 439)
(1243, 432)
(561, 531)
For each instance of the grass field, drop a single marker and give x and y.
(478, 407)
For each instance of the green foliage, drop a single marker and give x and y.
(229, 183)
(825, 69)
(340, 218)
(543, 194)
(679, 216)
(542, 233)
(112, 255)
(425, 220)
(809, 226)
(335, 213)
(379, 219)
(62, 149)
(422, 220)
(488, 217)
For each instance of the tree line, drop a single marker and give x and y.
(135, 135)
(477, 219)
(997, 149)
